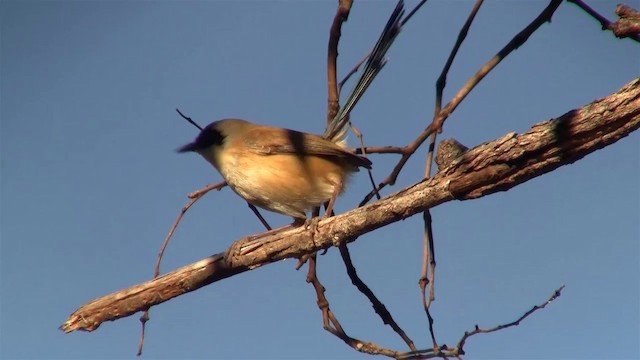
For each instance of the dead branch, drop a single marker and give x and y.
(331, 323)
(628, 26)
(495, 166)
(195, 196)
(445, 352)
(342, 14)
(477, 330)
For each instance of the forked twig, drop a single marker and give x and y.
(198, 193)
(477, 330)
(331, 323)
(406, 153)
(156, 272)
(445, 352)
(516, 42)
(471, 83)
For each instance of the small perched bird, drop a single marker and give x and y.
(281, 170)
(288, 171)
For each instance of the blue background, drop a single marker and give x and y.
(91, 182)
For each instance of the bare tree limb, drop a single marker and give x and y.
(495, 166)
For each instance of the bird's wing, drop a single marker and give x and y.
(274, 141)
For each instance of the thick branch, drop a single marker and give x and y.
(488, 168)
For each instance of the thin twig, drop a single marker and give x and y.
(428, 277)
(478, 330)
(516, 42)
(429, 249)
(378, 306)
(156, 272)
(206, 189)
(458, 351)
(363, 150)
(441, 83)
(353, 70)
(406, 154)
(429, 259)
(260, 217)
(331, 323)
(189, 120)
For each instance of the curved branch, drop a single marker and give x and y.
(342, 14)
(495, 166)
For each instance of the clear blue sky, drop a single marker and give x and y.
(91, 182)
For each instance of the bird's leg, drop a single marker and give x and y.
(329, 207)
(315, 214)
(271, 231)
(296, 222)
(257, 213)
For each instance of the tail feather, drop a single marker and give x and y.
(337, 129)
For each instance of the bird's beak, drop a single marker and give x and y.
(188, 148)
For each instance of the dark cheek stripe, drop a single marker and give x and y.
(209, 137)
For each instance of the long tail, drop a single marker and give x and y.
(337, 129)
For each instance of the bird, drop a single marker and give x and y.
(288, 171)
(281, 170)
